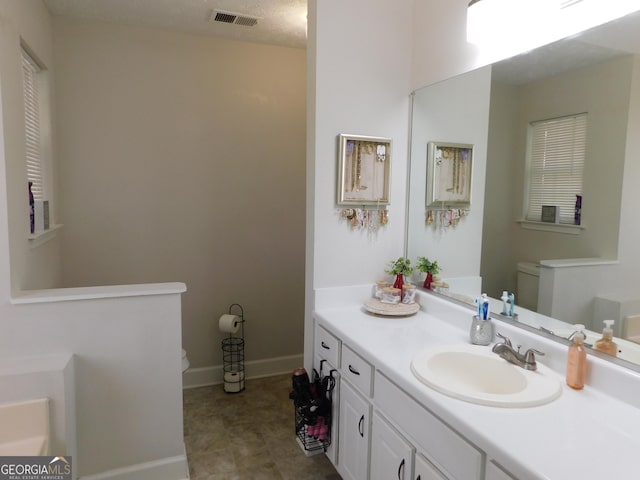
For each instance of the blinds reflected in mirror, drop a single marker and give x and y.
(556, 151)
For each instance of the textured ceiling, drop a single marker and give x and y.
(281, 22)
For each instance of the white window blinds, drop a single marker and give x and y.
(556, 150)
(30, 70)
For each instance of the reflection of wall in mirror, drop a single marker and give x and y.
(455, 111)
(601, 90)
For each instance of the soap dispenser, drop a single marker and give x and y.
(505, 303)
(577, 360)
(606, 343)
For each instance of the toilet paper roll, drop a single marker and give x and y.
(233, 382)
(229, 323)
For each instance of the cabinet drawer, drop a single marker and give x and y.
(327, 346)
(447, 450)
(356, 370)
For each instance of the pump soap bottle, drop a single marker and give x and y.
(577, 360)
(606, 343)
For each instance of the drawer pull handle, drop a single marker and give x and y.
(401, 469)
(360, 426)
(353, 370)
(325, 346)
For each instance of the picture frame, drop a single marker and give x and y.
(449, 175)
(364, 170)
(550, 214)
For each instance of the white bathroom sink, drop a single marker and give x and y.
(475, 374)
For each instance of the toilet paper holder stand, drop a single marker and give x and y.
(233, 355)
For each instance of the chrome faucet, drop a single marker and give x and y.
(506, 351)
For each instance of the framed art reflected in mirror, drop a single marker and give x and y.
(449, 173)
(364, 170)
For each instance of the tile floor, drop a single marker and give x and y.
(247, 435)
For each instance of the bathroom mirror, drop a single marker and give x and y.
(490, 108)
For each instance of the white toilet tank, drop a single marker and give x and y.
(527, 285)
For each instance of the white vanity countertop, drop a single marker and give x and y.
(583, 434)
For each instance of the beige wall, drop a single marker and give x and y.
(183, 159)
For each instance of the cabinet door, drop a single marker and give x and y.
(424, 470)
(353, 432)
(391, 454)
(325, 368)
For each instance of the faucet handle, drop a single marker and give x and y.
(530, 358)
(505, 340)
(531, 351)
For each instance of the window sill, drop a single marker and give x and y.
(40, 238)
(552, 227)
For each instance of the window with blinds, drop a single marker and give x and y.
(556, 152)
(30, 71)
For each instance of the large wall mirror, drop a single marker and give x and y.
(582, 272)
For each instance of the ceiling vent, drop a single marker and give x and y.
(234, 18)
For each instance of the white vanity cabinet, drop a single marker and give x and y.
(391, 453)
(382, 433)
(354, 432)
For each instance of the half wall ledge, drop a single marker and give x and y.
(89, 293)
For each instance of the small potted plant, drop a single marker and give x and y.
(400, 268)
(428, 267)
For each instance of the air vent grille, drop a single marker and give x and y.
(234, 18)
(224, 17)
(246, 21)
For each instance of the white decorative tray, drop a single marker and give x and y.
(374, 305)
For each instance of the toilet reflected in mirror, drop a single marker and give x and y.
(527, 279)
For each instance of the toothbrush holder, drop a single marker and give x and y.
(481, 332)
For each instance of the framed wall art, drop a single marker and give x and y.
(449, 174)
(364, 170)
(550, 214)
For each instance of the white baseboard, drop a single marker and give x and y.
(204, 376)
(170, 468)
